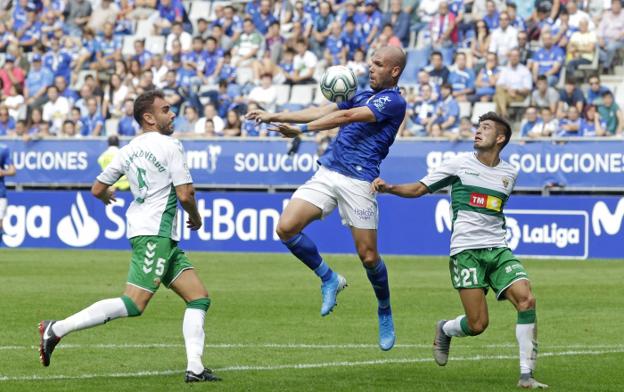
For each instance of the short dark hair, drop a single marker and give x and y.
(542, 77)
(113, 140)
(437, 53)
(607, 93)
(447, 86)
(143, 103)
(501, 125)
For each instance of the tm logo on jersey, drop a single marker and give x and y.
(485, 201)
(381, 102)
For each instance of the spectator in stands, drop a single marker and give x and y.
(576, 16)
(611, 113)
(426, 11)
(6, 36)
(11, 75)
(7, 123)
(265, 94)
(371, 20)
(420, 113)
(77, 15)
(93, 122)
(443, 29)
(56, 110)
(487, 79)
(359, 66)
(304, 64)
(524, 47)
(283, 11)
(228, 70)
(596, 90)
(274, 43)
(570, 125)
(68, 130)
(445, 122)
(263, 18)
(114, 97)
(18, 16)
(14, 101)
(127, 125)
(480, 45)
(530, 123)
(186, 124)
(570, 96)
(178, 34)
(172, 93)
(87, 52)
(169, 11)
(387, 34)
(549, 126)
(466, 129)
(58, 61)
(399, 20)
(251, 128)
(231, 23)
(561, 29)
(34, 121)
(504, 39)
(175, 52)
(352, 38)
(103, 13)
(247, 46)
(545, 96)
(134, 76)
(592, 125)
(547, 60)
(76, 118)
(210, 115)
(208, 131)
(64, 91)
(516, 20)
(335, 49)
(49, 26)
(142, 55)
(196, 57)
(582, 47)
(611, 33)
(30, 33)
(514, 83)
(107, 49)
(461, 78)
(437, 70)
(491, 17)
(159, 70)
(20, 131)
(232, 124)
(37, 81)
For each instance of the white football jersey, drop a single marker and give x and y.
(478, 195)
(154, 164)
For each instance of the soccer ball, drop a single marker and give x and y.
(338, 84)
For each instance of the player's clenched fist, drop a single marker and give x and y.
(259, 116)
(379, 185)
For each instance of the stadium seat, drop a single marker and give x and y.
(480, 108)
(155, 44)
(319, 98)
(301, 94)
(127, 48)
(283, 94)
(111, 126)
(464, 109)
(244, 75)
(144, 28)
(199, 9)
(416, 60)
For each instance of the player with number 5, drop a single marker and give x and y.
(155, 166)
(480, 186)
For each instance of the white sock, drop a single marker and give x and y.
(193, 330)
(526, 334)
(96, 314)
(453, 327)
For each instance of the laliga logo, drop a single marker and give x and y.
(602, 218)
(513, 233)
(78, 229)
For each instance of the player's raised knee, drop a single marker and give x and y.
(285, 231)
(526, 302)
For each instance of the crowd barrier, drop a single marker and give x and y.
(553, 227)
(575, 165)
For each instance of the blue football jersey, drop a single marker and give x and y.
(360, 147)
(5, 161)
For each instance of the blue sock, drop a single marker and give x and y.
(302, 246)
(378, 276)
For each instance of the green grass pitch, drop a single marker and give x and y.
(264, 331)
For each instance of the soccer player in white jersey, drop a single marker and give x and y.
(368, 126)
(480, 186)
(155, 166)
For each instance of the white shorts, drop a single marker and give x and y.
(356, 201)
(3, 207)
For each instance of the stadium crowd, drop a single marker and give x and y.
(71, 68)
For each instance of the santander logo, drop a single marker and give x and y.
(78, 228)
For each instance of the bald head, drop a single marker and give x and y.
(387, 64)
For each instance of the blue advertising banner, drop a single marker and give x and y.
(552, 227)
(266, 163)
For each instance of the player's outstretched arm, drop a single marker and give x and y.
(186, 195)
(301, 116)
(415, 189)
(329, 121)
(103, 192)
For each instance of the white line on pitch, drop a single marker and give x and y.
(296, 346)
(301, 366)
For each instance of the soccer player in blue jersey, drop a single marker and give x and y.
(6, 169)
(368, 125)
